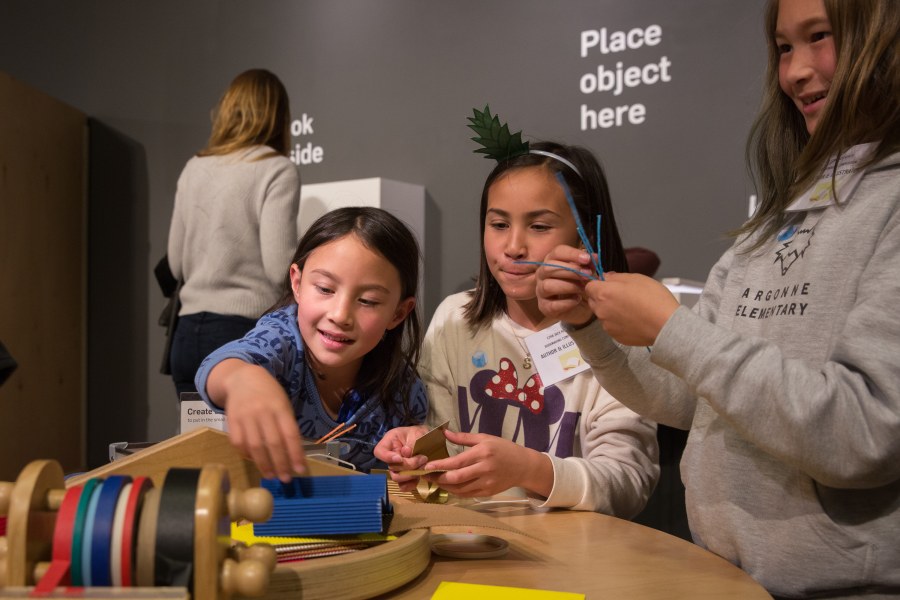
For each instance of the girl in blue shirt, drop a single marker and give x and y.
(340, 347)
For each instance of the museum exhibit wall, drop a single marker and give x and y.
(663, 92)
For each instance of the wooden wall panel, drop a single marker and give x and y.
(43, 243)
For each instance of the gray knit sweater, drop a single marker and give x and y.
(788, 375)
(234, 231)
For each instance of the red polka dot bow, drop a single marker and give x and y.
(504, 386)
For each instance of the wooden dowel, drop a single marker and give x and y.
(336, 433)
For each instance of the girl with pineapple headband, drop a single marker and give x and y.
(528, 415)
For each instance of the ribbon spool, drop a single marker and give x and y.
(104, 525)
(91, 524)
(174, 557)
(61, 562)
(145, 550)
(115, 549)
(78, 530)
(133, 507)
(102, 531)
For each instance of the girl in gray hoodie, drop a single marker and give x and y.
(786, 372)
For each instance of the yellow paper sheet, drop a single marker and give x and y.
(452, 590)
(244, 533)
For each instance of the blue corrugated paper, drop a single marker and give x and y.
(333, 505)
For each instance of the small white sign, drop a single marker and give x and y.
(195, 413)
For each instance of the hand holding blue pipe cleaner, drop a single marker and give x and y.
(584, 240)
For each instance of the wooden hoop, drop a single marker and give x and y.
(212, 531)
(30, 524)
(354, 576)
(358, 575)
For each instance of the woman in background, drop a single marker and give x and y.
(234, 226)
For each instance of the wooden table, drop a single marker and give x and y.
(591, 554)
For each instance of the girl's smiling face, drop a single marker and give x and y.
(347, 297)
(807, 56)
(527, 216)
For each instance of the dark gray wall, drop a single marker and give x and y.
(389, 84)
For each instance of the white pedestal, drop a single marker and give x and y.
(686, 291)
(406, 201)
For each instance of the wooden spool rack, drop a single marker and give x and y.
(220, 570)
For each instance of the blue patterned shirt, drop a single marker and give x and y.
(275, 344)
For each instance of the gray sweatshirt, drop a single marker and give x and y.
(787, 374)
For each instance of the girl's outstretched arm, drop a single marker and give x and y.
(261, 422)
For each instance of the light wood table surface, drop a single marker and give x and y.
(592, 554)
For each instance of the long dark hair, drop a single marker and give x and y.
(591, 195)
(863, 106)
(388, 370)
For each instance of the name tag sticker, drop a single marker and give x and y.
(846, 178)
(555, 354)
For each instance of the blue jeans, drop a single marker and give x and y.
(196, 337)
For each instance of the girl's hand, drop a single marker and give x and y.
(491, 465)
(632, 308)
(560, 292)
(395, 449)
(261, 422)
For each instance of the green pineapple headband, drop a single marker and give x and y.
(499, 144)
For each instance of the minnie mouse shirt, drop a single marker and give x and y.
(604, 456)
